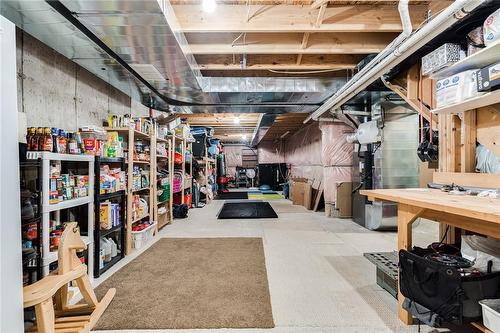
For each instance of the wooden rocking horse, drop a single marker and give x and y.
(59, 316)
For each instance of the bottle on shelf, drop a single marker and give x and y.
(72, 144)
(47, 141)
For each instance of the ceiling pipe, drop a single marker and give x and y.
(393, 54)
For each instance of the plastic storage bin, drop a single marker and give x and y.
(141, 238)
(491, 314)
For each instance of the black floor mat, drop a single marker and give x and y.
(231, 195)
(247, 210)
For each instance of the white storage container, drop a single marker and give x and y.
(141, 238)
(491, 314)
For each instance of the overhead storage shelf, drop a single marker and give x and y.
(471, 104)
(480, 59)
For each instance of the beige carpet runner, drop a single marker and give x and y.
(182, 283)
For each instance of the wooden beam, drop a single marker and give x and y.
(468, 144)
(289, 2)
(283, 18)
(471, 179)
(488, 128)
(319, 3)
(268, 73)
(282, 62)
(288, 43)
(321, 16)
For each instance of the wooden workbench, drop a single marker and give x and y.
(481, 215)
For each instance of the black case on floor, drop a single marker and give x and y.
(441, 288)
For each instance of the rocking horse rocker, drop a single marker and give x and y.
(61, 316)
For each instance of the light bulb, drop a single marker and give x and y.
(236, 120)
(244, 137)
(209, 5)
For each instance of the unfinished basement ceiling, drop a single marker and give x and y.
(164, 53)
(288, 36)
(224, 124)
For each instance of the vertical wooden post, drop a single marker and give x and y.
(170, 154)
(183, 150)
(406, 216)
(153, 187)
(468, 142)
(130, 194)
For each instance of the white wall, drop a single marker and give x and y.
(11, 309)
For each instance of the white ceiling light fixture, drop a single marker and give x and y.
(244, 137)
(209, 5)
(236, 120)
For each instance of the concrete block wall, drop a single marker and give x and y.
(54, 91)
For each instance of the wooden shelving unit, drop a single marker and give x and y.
(132, 135)
(165, 162)
(179, 142)
(207, 164)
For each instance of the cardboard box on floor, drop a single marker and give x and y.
(343, 203)
(342, 207)
(301, 192)
(307, 193)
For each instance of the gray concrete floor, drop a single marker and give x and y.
(318, 278)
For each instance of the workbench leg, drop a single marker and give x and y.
(406, 216)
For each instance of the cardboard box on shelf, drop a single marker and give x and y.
(488, 78)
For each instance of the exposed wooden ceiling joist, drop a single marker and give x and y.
(269, 73)
(289, 43)
(224, 125)
(289, 18)
(278, 62)
(288, 122)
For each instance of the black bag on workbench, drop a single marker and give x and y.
(442, 289)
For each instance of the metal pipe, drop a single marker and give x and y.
(395, 53)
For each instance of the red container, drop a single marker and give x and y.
(188, 199)
(178, 158)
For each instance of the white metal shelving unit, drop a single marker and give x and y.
(48, 256)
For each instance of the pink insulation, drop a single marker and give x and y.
(336, 157)
(303, 153)
(233, 159)
(270, 152)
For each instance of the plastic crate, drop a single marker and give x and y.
(491, 314)
(141, 238)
